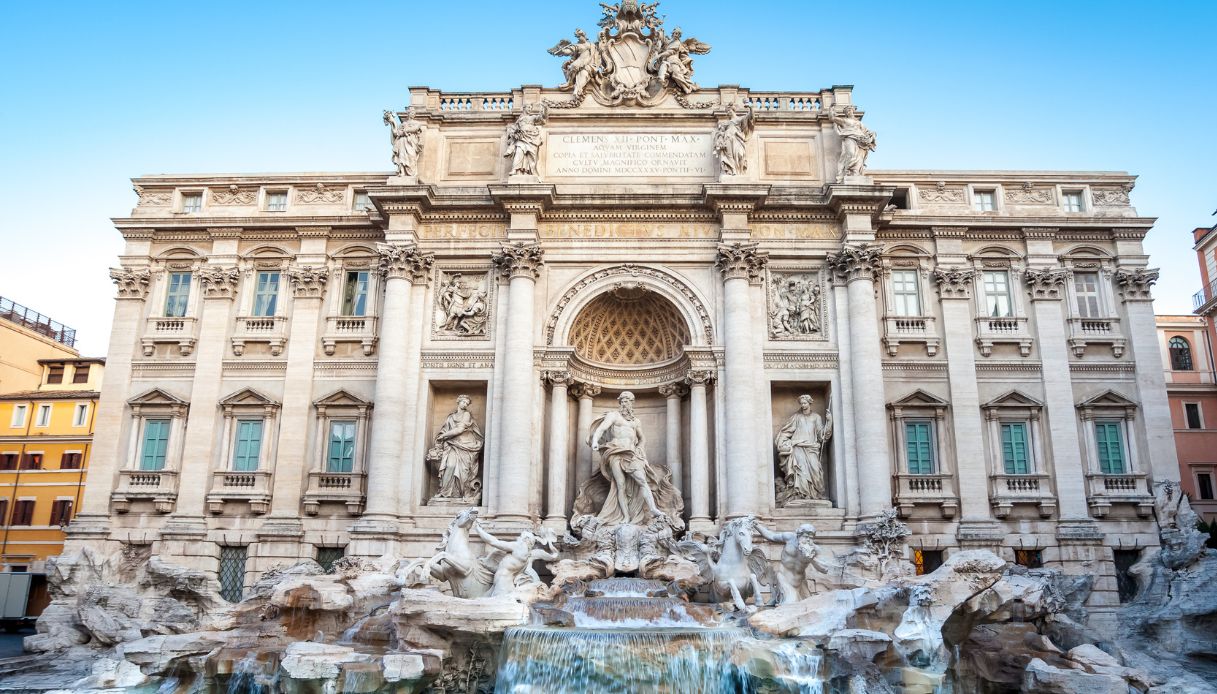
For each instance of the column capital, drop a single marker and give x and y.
(219, 282)
(1045, 283)
(856, 262)
(674, 391)
(741, 261)
(954, 282)
(1135, 283)
(699, 377)
(519, 260)
(132, 283)
(558, 377)
(308, 281)
(404, 261)
(584, 390)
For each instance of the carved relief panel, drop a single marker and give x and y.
(462, 304)
(795, 305)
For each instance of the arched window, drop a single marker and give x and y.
(1181, 354)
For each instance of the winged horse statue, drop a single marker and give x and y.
(731, 565)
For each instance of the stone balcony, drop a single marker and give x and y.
(920, 329)
(1105, 491)
(1007, 330)
(156, 486)
(928, 490)
(232, 486)
(269, 329)
(360, 329)
(1033, 488)
(335, 487)
(1087, 331)
(181, 331)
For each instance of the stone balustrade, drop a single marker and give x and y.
(1085, 331)
(157, 486)
(919, 329)
(269, 329)
(335, 487)
(936, 489)
(1105, 491)
(358, 329)
(999, 330)
(179, 330)
(1032, 488)
(252, 486)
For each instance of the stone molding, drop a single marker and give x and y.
(856, 262)
(580, 390)
(219, 282)
(557, 377)
(742, 261)
(1045, 283)
(699, 377)
(954, 282)
(308, 281)
(404, 261)
(1135, 283)
(676, 389)
(233, 195)
(131, 283)
(519, 260)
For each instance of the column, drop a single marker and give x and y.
(586, 394)
(857, 266)
(521, 262)
(740, 263)
(845, 451)
(673, 393)
(699, 451)
(559, 444)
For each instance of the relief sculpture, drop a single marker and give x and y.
(461, 306)
(794, 306)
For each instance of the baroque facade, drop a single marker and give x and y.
(305, 365)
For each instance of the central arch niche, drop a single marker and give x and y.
(629, 327)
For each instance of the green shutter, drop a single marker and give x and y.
(1111, 447)
(1014, 449)
(249, 445)
(156, 442)
(342, 447)
(919, 448)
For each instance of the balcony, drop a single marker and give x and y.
(269, 329)
(30, 319)
(334, 487)
(175, 330)
(1105, 491)
(1085, 331)
(157, 486)
(1002, 330)
(898, 329)
(360, 329)
(1033, 488)
(252, 487)
(1204, 300)
(930, 490)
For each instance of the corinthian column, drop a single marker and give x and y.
(558, 446)
(857, 266)
(673, 393)
(740, 264)
(586, 394)
(521, 262)
(699, 451)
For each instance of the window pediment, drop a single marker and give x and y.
(156, 396)
(1108, 403)
(248, 397)
(341, 398)
(918, 401)
(1013, 399)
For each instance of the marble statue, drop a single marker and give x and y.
(456, 453)
(584, 64)
(794, 307)
(883, 542)
(524, 139)
(730, 565)
(457, 563)
(512, 562)
(729, 138)
(462, 307)
(800, 444)
(407, 138)
(1181, 541)
(857, 141)
(670, 60)
(790, 570)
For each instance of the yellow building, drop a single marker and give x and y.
(45, 440)
(25, 337)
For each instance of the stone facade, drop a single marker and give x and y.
(989, 372)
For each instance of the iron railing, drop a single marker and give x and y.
(1204, 296)
(29, 318)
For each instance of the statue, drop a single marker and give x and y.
(524, 140)
(857, 141)
(407, 138)
(730, 565)
(790, 571)
(456, 562)
(795, 307)
(463, 308)
(1181, 541)
(729, 138)
(670, 61)
(883, 546)
(455, 453)
(584, 64)
(800, 443)
(512, 563)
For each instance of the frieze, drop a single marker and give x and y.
(1003, 367)
(916, 366)
(462, 305)
(1103, 368)
(626, 230)
(253, 369)
(464, 230)
(800, 360)
(1110, 197)
(154, 198)
(458, 360)
(1029, 195)
(159, 370)
(821, 232)
(234, 195)
(941, 193)
(319, 195)
(341, 368)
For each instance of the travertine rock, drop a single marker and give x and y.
(110, 673)
(400, 667)
(157, 654)
(306, 660)
(441, 613)
(1042, 678)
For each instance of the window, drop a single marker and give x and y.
(232, 572)
(61, 512)
(905, 294)
(1086, 291)
(80, 416)
(23, 512)
(1191, 411)
(276, 200)
(341, 454)
(1126, 585)
(355, 293)
(3, 511)
(8, 461)
(177, 294)
(1072, 200)
(54, 374)
(266, 294)
(927, 560)
(19, 412)
(81, 375)
(1204, 486)
(248, 447)
(44, 416)
(362, 201)
(1015, 459)
(997, 294)
(156, 440)
(71, 461)
(326, 556)
(984, 201)
(192, 203)
(919, 446)
(1181, 354)
(1030, 558)
(1110, 443)
(31, 461)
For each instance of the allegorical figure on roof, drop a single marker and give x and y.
(585, 61)
(729, 138)
(857, 141)
(407, 138)
(524, 140)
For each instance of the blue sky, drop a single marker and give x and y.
(96, 93)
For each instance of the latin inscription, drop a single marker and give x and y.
(601, 155)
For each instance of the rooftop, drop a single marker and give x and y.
(30, 319)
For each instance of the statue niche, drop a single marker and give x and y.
(456, 457)
(802, 461)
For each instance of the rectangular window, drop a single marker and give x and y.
(997, 294)
(19, 412)
(248, 448)
(54, 374)
(80, 416)
(355, 294)
(192, 203)
(61, 512)
(8, 461)
(984, 200)
(1086, 291)
(1204, 486)
(276, 200)
(232, 573)
(71, 461)
(919, 447)
(81, 375)
(326, 556)
(156, 442)
(3, 511)
(1192, 411)
(31, 461)
(341, 454)
(926, 560)
(1030, 558)
(1072, 199)
(23, 512)
(266, 294)
(44, 416)
(1015, 460)
(362, 201)
(1110, 443)
(904, 290)
(1126, 585)
(177, 294)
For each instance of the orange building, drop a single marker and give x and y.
(45, 440)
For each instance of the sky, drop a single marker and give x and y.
(97, 93)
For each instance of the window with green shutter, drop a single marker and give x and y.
(248, 448)
(342, 446)
(156, 443)
(919, 447)
(1015, 460)
(1110, 443)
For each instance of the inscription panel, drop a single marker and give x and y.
(637, 154)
